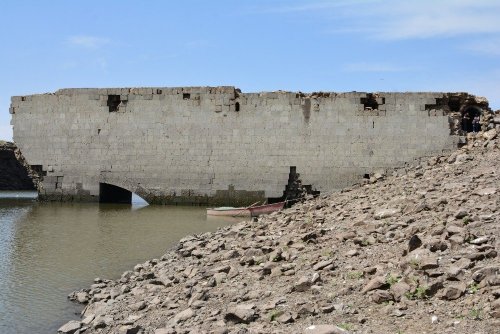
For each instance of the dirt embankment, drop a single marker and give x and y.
(15, 173)
(411, 252)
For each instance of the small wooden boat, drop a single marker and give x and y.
(250, 211)
(228, 211)
(265, 209)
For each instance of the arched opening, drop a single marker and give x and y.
(109, 193)
(471, 116)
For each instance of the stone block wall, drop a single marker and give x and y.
(216, 145)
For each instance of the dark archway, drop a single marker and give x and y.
(109, 193)
(468, 116)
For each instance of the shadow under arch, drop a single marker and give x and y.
(109, 193)
(115, 192)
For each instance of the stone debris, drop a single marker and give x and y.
(454, 291)
(414, 249)
(15, 172)
(70, 327)
(324, 329)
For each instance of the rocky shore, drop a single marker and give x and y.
(415, 251)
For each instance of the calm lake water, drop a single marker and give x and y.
(47, 250)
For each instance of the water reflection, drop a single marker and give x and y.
(49, 249)
(8, 194)
(138, 201)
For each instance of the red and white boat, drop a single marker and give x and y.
(265, 209)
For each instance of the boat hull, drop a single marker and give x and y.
(234, 212)
(252, 211)
(265, 209)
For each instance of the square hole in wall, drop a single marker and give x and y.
(370, 102)
(454, 103)
(186, 96)
(38, 169)
(113, 102)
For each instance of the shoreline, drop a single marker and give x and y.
(411, 251)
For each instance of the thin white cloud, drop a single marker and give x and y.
(374, 67)
(421, 20)
(88, 42)
(398, 19)
(313, 6)
(197, 44)
(102, 63)
(69, 64)
(487, 47)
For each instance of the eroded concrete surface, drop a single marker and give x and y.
(217, 145)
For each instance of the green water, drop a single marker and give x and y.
(48, 250)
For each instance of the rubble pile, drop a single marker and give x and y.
(15, 173)
(415, 251)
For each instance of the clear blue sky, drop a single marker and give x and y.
(256, 45)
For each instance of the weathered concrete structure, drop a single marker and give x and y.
(211, 145)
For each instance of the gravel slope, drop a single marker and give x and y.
(411, 252)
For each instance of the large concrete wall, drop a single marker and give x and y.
(217, 145)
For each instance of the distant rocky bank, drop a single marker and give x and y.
(14, 171)
(414, 251)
